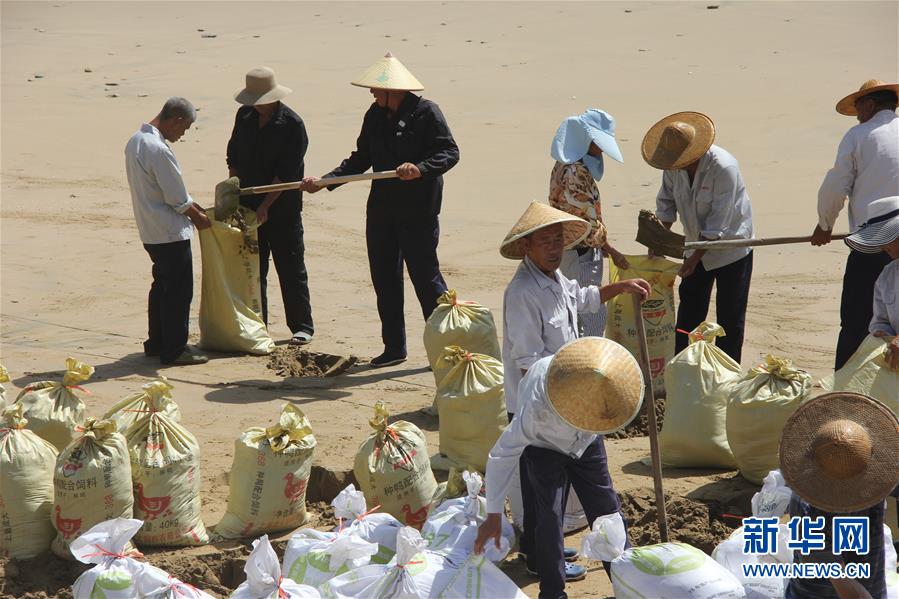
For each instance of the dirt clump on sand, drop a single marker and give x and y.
(291, 361)
(689, 521)
(639, 427)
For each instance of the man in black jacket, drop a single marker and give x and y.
(267, 146)
(406, 133)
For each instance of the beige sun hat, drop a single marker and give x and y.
(840, 452)
(388, 73)
(846, 106)
(595, 385)
(538, 216)
(261, 88)
(678, 140)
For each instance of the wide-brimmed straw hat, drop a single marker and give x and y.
(595, 385)
(572, 139)
(678, 140)
(881, 228)
(261, 88)
(390, 74)
(846, 106)
(840, 452)
(538, 216)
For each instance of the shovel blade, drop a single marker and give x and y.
(227, 198)
(657, 237)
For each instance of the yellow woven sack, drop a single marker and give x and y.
(867, 372)
(26, 487)
(455, 322)
(659, 316)
(231, 300)
(53, 409)
(393, 469)
(694, 432)
(269, 477)
(165, 470)
(4, 378)
(760, 404)
(157, 393)
(472, 407)
(92, 483)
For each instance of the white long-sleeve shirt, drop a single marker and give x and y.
(158, 194)
(539, 317)
(535, 424)
(886, 301)
(866, 169)
(715, 206)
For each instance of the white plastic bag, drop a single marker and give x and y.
(452, 528)
(264, 579)
(663, 570)
(479, 577)
(376, 527)
(313, 557)
(774, 497)
(159, 584)
(116, 573)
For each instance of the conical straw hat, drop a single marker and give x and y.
(846, 106)
(840, 452)
(595, 385)
(536, 217)
(389, 73)
(678, 140)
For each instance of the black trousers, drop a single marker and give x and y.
(281, 238)
(168, 304)
(393, 238)
(857, 302)
(731, 298)
(549, 473)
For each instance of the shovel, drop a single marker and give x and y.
(664, 242)
(228, 192)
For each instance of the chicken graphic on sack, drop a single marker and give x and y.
(152, 507)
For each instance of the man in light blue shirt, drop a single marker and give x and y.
(165, 216)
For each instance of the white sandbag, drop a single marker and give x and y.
(26, 487)
(157, 393)
(313, 557)
(269, 475)
(452, 527)
(116, 573)
(264, 580)
(773, 500)
(155, 583)
(663, 570)
(479, 577)
(351, 511)
(92, 483)
(54, 409)
(890, 564)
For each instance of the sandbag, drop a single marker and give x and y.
(165, 469)
(472, 407)
(892, 576)
(867, 373)
(116, 573)
(479, 577)
(269, 476)
(155, 583)
(231, 299)
(352, 513)
(659, 316)
(313, 557)
(393, 469)
(694, 433)
(264, 578)
(157, 393)
(54, 409)
(663, 570)
(758, 407)
(455, 322)
(91, 482)
(26, 487)
(4, 378)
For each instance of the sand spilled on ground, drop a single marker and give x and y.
(290, 361)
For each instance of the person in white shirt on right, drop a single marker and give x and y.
(866, 169)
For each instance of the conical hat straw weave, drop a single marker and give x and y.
(538, 216)
(388, 73)
(840, 452)
(595, 385)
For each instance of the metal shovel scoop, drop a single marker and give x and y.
(228, 192)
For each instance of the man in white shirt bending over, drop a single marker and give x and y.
(866, 169)
(165, 215)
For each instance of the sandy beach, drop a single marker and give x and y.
(78, 78)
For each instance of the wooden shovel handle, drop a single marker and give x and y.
(726, 244)
(326, 181)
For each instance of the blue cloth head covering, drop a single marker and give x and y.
(573, 137)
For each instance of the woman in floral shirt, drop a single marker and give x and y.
(578, 147)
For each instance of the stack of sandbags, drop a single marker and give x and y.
(92, 483)
(351, 510)
(314, 557)
(867, 373)
(54, 409)
(157, 393)
(663, 570)
(760, 404)
(269, 477)
(698, 380)
(393, 469)
(472, 407)
(264, 578)
(26, 487)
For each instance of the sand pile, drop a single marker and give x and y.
(689, 521)
(288, 361)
